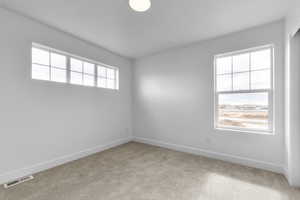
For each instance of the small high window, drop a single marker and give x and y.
(53, 65)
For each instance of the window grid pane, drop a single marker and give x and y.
(58, 75)
(40, 72)
(241, 81)
(102, 82)
(107, 77)
(102, 71)
(244, 63)
(88, 80)
(110, 84)
(51, 65)
(58, 60)
(40, 56)
(110, 73)
(261, 59)
(76, 78)
(76, 65)
(88, 68)
(261, 79)
(241, 63)
(224, 82)
(224, 65)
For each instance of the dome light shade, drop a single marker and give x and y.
(140, 5)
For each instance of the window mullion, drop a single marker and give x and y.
(270, 110)
(96, 75)
(106, 79)
(50, 67)
(216, 109)
(68, 69)
(82, 73)
(115, 81)
(232, 73)
(244, 91)
(271, 92)
(250, 87)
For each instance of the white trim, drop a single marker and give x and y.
(236, 130)
(15, 174)
(238, 52)
(215, 155)
(287, 175)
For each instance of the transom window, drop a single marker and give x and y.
(244, 90)
(53, 65)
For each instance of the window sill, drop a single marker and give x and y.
(72, 85)
(228, 129)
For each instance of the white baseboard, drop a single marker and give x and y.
(216, 155)
(12, 175)
(286, 174)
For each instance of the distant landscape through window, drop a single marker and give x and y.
(248, 110)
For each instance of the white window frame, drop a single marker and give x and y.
(270, 92)
(68, 68)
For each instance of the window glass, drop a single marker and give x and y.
(241, 81)
(88, 80)
(102, 71)
(110, 73)
(76, 78)
(40, 72)
(40, 56)
(58, 75)
(241, 63)
(89, 68)
(76, 65)
(247, 110)
(110, 84)
(224, 83)
(102, 82)
(58, 61)
(224, 65)
(261, 59)
(260, 79)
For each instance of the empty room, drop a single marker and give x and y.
(150, 100)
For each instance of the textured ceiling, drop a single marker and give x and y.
(169, 23)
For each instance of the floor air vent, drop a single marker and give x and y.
(18, 181)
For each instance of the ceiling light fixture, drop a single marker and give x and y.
(140, 5)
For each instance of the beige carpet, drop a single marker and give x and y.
(140, 172)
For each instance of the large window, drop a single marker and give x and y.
(244, 90)
(53, 65)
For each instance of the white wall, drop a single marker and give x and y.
(174, 100)
(293, 17)
(44, 123)
(292, 95)
(294, 113)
